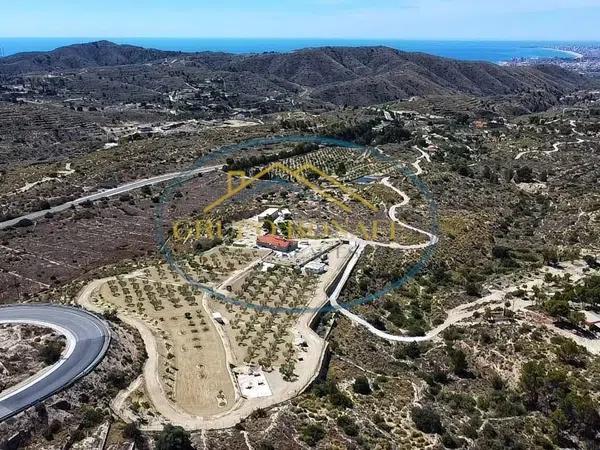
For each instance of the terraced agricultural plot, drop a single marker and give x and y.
(273, 330)
(192, 364)
(61, 132)
(265, 337)
(348, 164)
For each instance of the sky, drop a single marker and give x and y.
(385, 19)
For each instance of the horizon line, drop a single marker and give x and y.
(95, 38)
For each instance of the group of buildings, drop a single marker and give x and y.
(284, 245)
(273, 241)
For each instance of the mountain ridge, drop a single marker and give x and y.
(338, 75)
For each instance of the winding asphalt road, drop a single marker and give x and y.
(88, 338)
(111, 193)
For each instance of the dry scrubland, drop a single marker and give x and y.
(69, 416)
(513, 175)
(25, 350)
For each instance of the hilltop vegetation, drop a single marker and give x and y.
(330, 75)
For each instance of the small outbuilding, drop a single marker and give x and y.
(268, 214)
(315, 267)
(217, 317)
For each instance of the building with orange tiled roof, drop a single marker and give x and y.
(275, 242)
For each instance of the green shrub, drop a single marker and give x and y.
(53, 428)
(361, 386)
(427, 420)
(131, 431)
(459, 361)
(313, 433)
(91, 416)
(473, 289)
(173, 438)
(451, 333)
(341, 400)
(450, 441)
(348, 425)
(51, 352)
(416, 329)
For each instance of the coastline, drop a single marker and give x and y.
(491, 51)
(568, 55)
(572, 53)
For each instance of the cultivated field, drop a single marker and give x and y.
(262, 336)
(191, 355)
(271, 326)
(348, 164)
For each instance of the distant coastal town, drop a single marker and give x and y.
(582, 58)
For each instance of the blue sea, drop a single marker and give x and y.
(494, 51)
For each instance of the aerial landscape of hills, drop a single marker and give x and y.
(351, 76)
(405, 251)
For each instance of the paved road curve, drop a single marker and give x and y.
(88, 338)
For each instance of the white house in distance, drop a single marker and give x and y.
(274, 214)
(268, 214)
